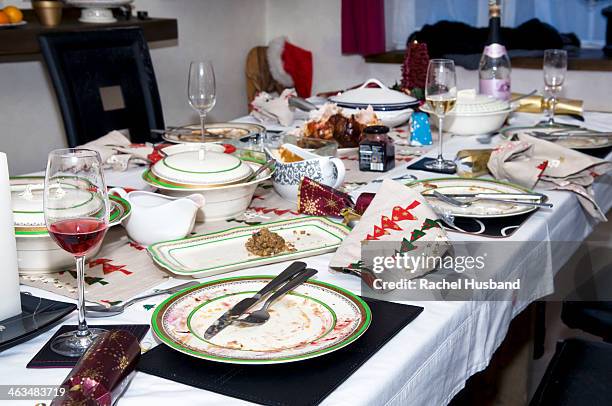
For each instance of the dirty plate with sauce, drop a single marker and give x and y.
(314, 319)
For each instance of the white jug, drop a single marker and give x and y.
(155, 218)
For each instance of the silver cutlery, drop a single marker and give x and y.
(262, 168)
(467, 203)
(508, 196)
(230, 316)
(523, 96)
(175, 131)
(403, 177)
(565, 135)
(302, 104)
(104, 311)
(262, 315)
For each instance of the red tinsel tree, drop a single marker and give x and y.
(414, 69)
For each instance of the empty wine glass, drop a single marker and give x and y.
(441, 95)
(555, 70)
(76, 209)
(201, 92)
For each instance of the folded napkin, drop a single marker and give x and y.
(116, 149)
(272, 109)
(537, 104)
(102, 373)
(531, 162)
(404, 219)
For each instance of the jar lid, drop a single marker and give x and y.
(376, 129)
(186, 168)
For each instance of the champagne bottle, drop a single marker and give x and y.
(494, 69)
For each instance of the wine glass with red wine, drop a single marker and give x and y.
(77, 210)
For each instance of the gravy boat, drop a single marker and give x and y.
(157, 218)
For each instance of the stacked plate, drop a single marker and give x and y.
(36, 251)
(393, 108)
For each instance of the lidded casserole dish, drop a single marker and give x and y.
(189, 170)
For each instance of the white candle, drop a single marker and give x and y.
(10, 303)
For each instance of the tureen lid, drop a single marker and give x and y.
(27, 203)
(373, 95)
(215, 169)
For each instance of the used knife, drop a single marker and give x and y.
(245, 304)
(510, 196)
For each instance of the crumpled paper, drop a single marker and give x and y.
(116, 150)
(272, 109)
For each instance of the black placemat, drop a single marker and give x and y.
(297, 383)
(498, 227)
(420, 166)
(47, 358)
(37, 316)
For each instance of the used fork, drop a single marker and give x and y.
(468, 202)
(262, 315)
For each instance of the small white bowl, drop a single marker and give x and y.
(472, 124)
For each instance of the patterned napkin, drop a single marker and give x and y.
(531, 161)
(401, 216)
(269, 109)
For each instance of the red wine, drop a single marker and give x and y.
(78, 236)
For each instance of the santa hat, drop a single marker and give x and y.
(291, 66)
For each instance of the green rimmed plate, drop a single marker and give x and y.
(478, 209)
(224, 251)
(217, 130)
(27, 201)
(577, 143)
(315, 319)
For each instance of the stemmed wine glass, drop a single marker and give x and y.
(76, 208)
(441, 95)
(555, 69)
(201, 92)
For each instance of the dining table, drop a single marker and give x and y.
(429, 361)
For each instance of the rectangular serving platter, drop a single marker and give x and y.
(223, 251)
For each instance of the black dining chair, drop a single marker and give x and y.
(104, 81)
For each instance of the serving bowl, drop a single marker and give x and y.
(37, 253)
(474, 114)
(288, 175)
(381, 98)
(98, 11)
(222, 202)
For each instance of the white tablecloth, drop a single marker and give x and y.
(427, 363)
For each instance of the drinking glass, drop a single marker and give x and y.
(555, 69)
(441, 95)
(76, 209)
(201, 92)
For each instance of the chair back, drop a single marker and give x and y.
(104, 81)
